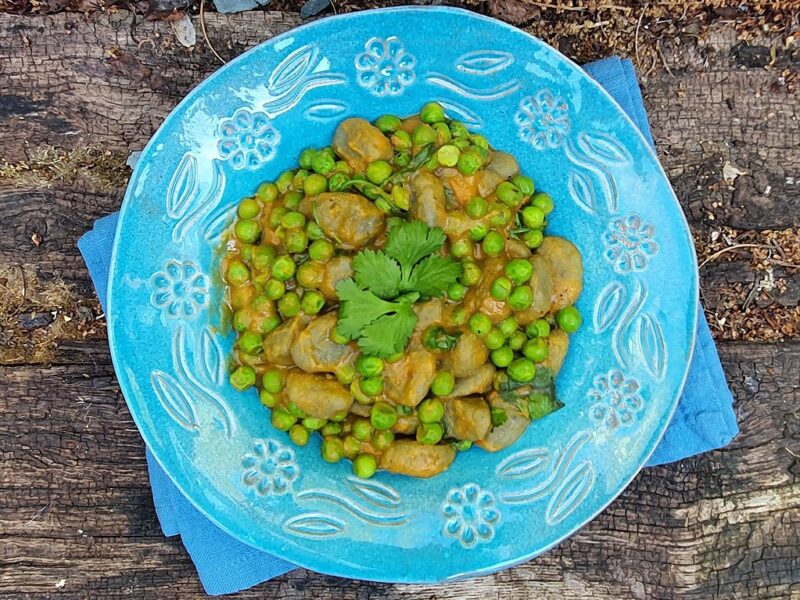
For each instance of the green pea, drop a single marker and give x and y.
(443, 383)
(332, 449)
(460, 143)
(500, 216)
(448, 155)
(276, 215)
(478, 232)
(524, 184)
(383, 415)
(362, 429)
(314, 231)
(351, 446)
(378, 171)
(382, 439)
(429, 433)
(432, 112)
(338, 338)
(299, 178)
(267, 192)
(369, 366)
(312, 302)
(296, 241)
(237, 272)
(243, 377)
(323, 161)
(246, 252)
(539, 328)
(533, 238)
(508, 326)
(516, 340)
(536, 349)
(480, 324)
(372, 386)
(241, 320)
(521, 297)
(295, 411)
(477, 207)
(293, 220)
(456, 292)
(569, 319)
(272, 381)
(480, 151)
(401, 140)
(364, 466)
(282, 420)
(395, 357)
(423, 135)
(338, 182)
(320, 251)
(284, 181)
(462, 445)
(431, 410)
(268, 399)
(250, 342)
(401, 197)
(442, 132)
(502, 357)
(263, 257)
(388, 123)
(331, 428)
(501, 288)
(248, 209)
(274, 289)
(248, 231)
(283, 268)
(432, 164)
(291, 200)
(522, 370)
(494, 243)
(298, 434)
(310, 274)
(315, 184)
(402, 159)
(469, 162)
(494, 339)
(313, 423)
(289, 305)
(269, 323)
(459, 316)
(508, 194)
(543, 201)
(470, 273)
(458, 129)
(533, 216)
(461, 248)
(519, 270)
(262, 304)
(305, 158)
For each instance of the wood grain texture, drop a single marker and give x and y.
(75, 504)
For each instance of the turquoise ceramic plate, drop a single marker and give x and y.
(248, 122)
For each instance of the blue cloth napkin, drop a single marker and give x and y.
(703, 421)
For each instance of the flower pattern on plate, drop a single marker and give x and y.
(385, 68)
(616, 400)
(180, 291)
(470, 515)
(247, 139)
(271, 469)
(543, 120)
(629, 243)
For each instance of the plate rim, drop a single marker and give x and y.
(338, 568)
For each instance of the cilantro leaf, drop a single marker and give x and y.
(377, 272)
(358, 308)
(433, 275)
(499, 416)
(424, 155)
(388, 334)
(411, 241)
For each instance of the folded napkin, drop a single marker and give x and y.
(703, 421)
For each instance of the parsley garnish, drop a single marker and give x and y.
(375, 306)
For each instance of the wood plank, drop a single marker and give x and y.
(75, 505)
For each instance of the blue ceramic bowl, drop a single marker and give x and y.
(247, 123)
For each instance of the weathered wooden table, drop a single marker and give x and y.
(76, 517)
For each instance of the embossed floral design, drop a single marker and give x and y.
(247, 139)
(543, 120)
(616, 400)
(629, 243)
(270, 469)
(470, 515)
(385, 68)
(180, 290)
